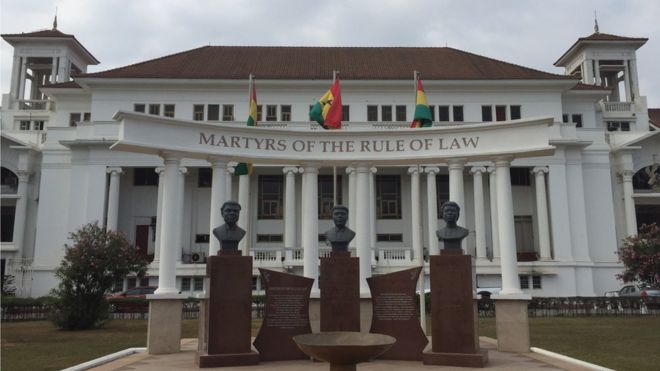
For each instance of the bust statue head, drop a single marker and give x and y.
(229, 212)
(340, 215)
(450, 212)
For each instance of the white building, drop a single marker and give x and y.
(570, 209)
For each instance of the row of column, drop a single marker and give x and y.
(362, 218)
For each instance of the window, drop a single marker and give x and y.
(254, 283)
(326, 195)
(144, 281)
(401, 113)
(74, 119)
(389, 237)
(442, 191)
(168, 110)
(198, 112)
(139, 107)
(270, 196)
(285, 113)
(520, 176)
(131, 283)
(536, 282)
(271, 112)
(388, 196)
(386, 113)
(524, 281)
(25, 125)
(204, 177)
(227, 112)
(515, 112)
(259, 111)
(458, 113)
(500, 113)
(564, 118)
(154, 109)
(443, 113)
(486, 113)
(625, 126)
(432, 109)
(9, 180)
(7, 214)
(185, 283)
(38, 125)
(372, 113)
(212, 112)
(577, 120)
(202, 238)
(87, 117)
(270, 238)
(145, 176)
(198, 283)
(322, 237)
(524, 233)
(345, 113)
(618, 125)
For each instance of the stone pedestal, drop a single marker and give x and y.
(229, 312)
(512, 323)
(340, 292)
(164, 331)
(395, 313)
(454, 335)
(286, 315)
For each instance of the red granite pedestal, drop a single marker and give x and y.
(229, 312)
(454, 335)
(339, 283)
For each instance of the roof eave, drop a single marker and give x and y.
(90, 59)
(561, 62)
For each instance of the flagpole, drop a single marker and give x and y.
(334, 167)
(422, 294)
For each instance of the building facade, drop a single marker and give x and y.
(570, 208)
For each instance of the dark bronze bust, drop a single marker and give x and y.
(340, 235)
(229, 234)
(451, 234)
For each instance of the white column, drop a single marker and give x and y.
(457, 191)
(627, 81)
(372, 212)
(508, 261)
(479, 211)
(181, 206)
(432, 208)
(629, 202)
(53, 71)
(362, 225)
(21, 79)
(542, 212)
(415, 219)
(244, 220)
(634, 78)
(168, 242)
(218, 197)
(159, 212)
(494, 227)
(310, 215)
(351, 200)
(15, 71)
(229, 182)
(21, 211)
(113, 198)
(290, 207)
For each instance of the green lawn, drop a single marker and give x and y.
(621, 343)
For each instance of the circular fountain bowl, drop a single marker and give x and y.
(344, 348)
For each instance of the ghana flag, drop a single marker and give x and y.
(328, 111)
(422, 118)
(245, 168)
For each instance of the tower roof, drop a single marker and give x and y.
(599, 38)
(52, 34)
(315, 63)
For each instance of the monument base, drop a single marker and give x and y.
(164, 328)
(512, 324)
(339, 283)
(205, 360)
(478, 359)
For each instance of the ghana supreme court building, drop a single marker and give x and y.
(551, 171)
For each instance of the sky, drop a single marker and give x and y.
(529, 33)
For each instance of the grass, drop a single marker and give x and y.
(621, 343)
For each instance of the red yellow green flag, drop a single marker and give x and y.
(422, 118)
(327, 111)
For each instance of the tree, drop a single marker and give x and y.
(95, 261)
(640, 256)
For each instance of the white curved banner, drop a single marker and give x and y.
(193, 139)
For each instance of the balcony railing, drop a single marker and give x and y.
(35, 105)
(617, 106)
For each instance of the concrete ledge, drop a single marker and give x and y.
(577, 362)
(105, 359)
(456, 359)
(176, 296)
(205, 360)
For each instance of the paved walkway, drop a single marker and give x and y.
(185, 360)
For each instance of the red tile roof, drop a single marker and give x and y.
(53, 33)
(583, 86)
(63, 85)
(654, 116)
(311, 63)
(597, 36)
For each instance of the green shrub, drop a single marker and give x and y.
(90, 267)
(640, 256)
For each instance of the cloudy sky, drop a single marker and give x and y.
(529, 33)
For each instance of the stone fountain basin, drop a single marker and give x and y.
(343, 347)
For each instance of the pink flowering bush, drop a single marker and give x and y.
(96, 259)
(640, 256)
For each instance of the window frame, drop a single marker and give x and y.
(271, 116)
(487, 113)
(154, 109)
(388, 200)
(455, 110)
(169, 110)
(372, 113)
(386, 113)
(270, 204)
(227, 112)
(198, 112)
(401, 113)
(213, 112)
(285, 112)
(325, 195)
(443, 113)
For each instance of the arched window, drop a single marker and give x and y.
(9, 181)
(647, 178)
